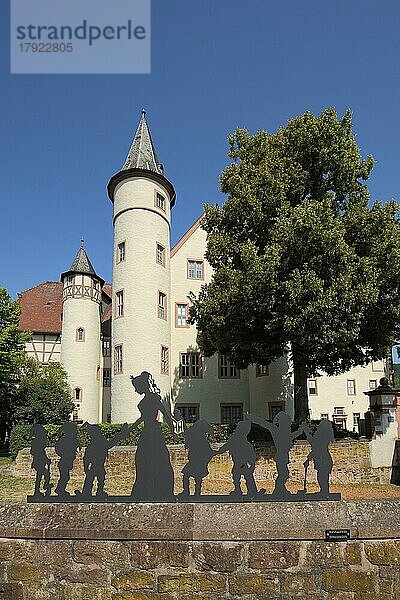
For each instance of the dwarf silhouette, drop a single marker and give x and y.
(66, 448)
(199, 455)
(244, 458)
(40, 462)
(95, 457)
(283, 438)
(320, 453)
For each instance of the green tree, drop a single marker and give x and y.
(43, 394)
(302, 261)
(12, 356)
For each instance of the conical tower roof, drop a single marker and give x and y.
(142, 154)
(81, 265)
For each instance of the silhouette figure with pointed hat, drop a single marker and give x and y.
(244, 459)
(40, 460)
(199, 455)
(283, 438)
(66, 448)
(320, 453)
(95, 457)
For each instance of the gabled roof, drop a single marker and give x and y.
(186, 235)
(41, 308)
(142, 154)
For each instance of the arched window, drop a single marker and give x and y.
(77, 394)
(80, 334)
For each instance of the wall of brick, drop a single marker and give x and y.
(351, 458)
(46, 554)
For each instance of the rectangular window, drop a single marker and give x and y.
(106, 377)
(190, 413)
(164, 360)
(181, 315)
(195, 269)
(351, 387)
(160, 255)
(121, 252)
(231, 413)
(190, 365)
(160, 201)
(324, 416)
(120, 303)
(162, 305)
(372, 384)
(274, 409)
(118, 362)
(312, 387)
(106, 347)
(338, 410)
(262, 370)
(227, 369)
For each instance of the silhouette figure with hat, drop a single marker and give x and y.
(66, 448)
(40, 460)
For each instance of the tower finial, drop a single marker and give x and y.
(143, 112)
(82, 243)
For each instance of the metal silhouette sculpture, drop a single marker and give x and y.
(154, 480)
(40, 461)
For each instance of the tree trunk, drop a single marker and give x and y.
(301, 410)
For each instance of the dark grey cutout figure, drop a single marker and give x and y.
(244, 459)
(66, 448)
(320, 454)
(283, 438)
(95, 457)
(199, 455)
(40, 460)
(154, 474)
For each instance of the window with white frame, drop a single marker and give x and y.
(106, 377)
(118, 359)
(312, 387)
(121, 252)
(351, 387)
(195, 269)
(356, 422)
(227, 369)
(160, 201)
(160, 255)
(190, 365)
(372, 384)
(164, 360)
(324, 416)
(106, 347)
(182, 315)
(120, 303)
(162, 305)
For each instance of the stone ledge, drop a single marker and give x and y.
(366, 519)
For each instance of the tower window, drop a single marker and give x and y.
(160, 255)
(182, 311)
(160, 201)
(80, 334)
(227, 369)
(190, 365)
(70, 280)
(106, 377)
(78, 394)
(118, 361)
(106, 347)
(195, 269)
(121, 252)
(164, 360)
(162, 305)
(120, 304)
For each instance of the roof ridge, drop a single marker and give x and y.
(186, 235)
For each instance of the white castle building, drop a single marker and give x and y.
(104, 333)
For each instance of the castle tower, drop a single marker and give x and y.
(141, 324)
(80, 339)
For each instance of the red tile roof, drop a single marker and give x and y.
(41, 308)
(107, 314)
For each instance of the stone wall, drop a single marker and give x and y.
(195, 552)
(352, 464)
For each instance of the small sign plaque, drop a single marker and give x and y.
(337, 535)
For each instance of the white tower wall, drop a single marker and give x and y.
(140, 331)
(81, 359)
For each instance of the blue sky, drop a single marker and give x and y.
(216, 65)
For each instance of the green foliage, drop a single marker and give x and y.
(43, 394)
(12, 355)
(301, 260)
(21, 435)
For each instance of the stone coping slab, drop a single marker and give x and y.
(366, 519)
